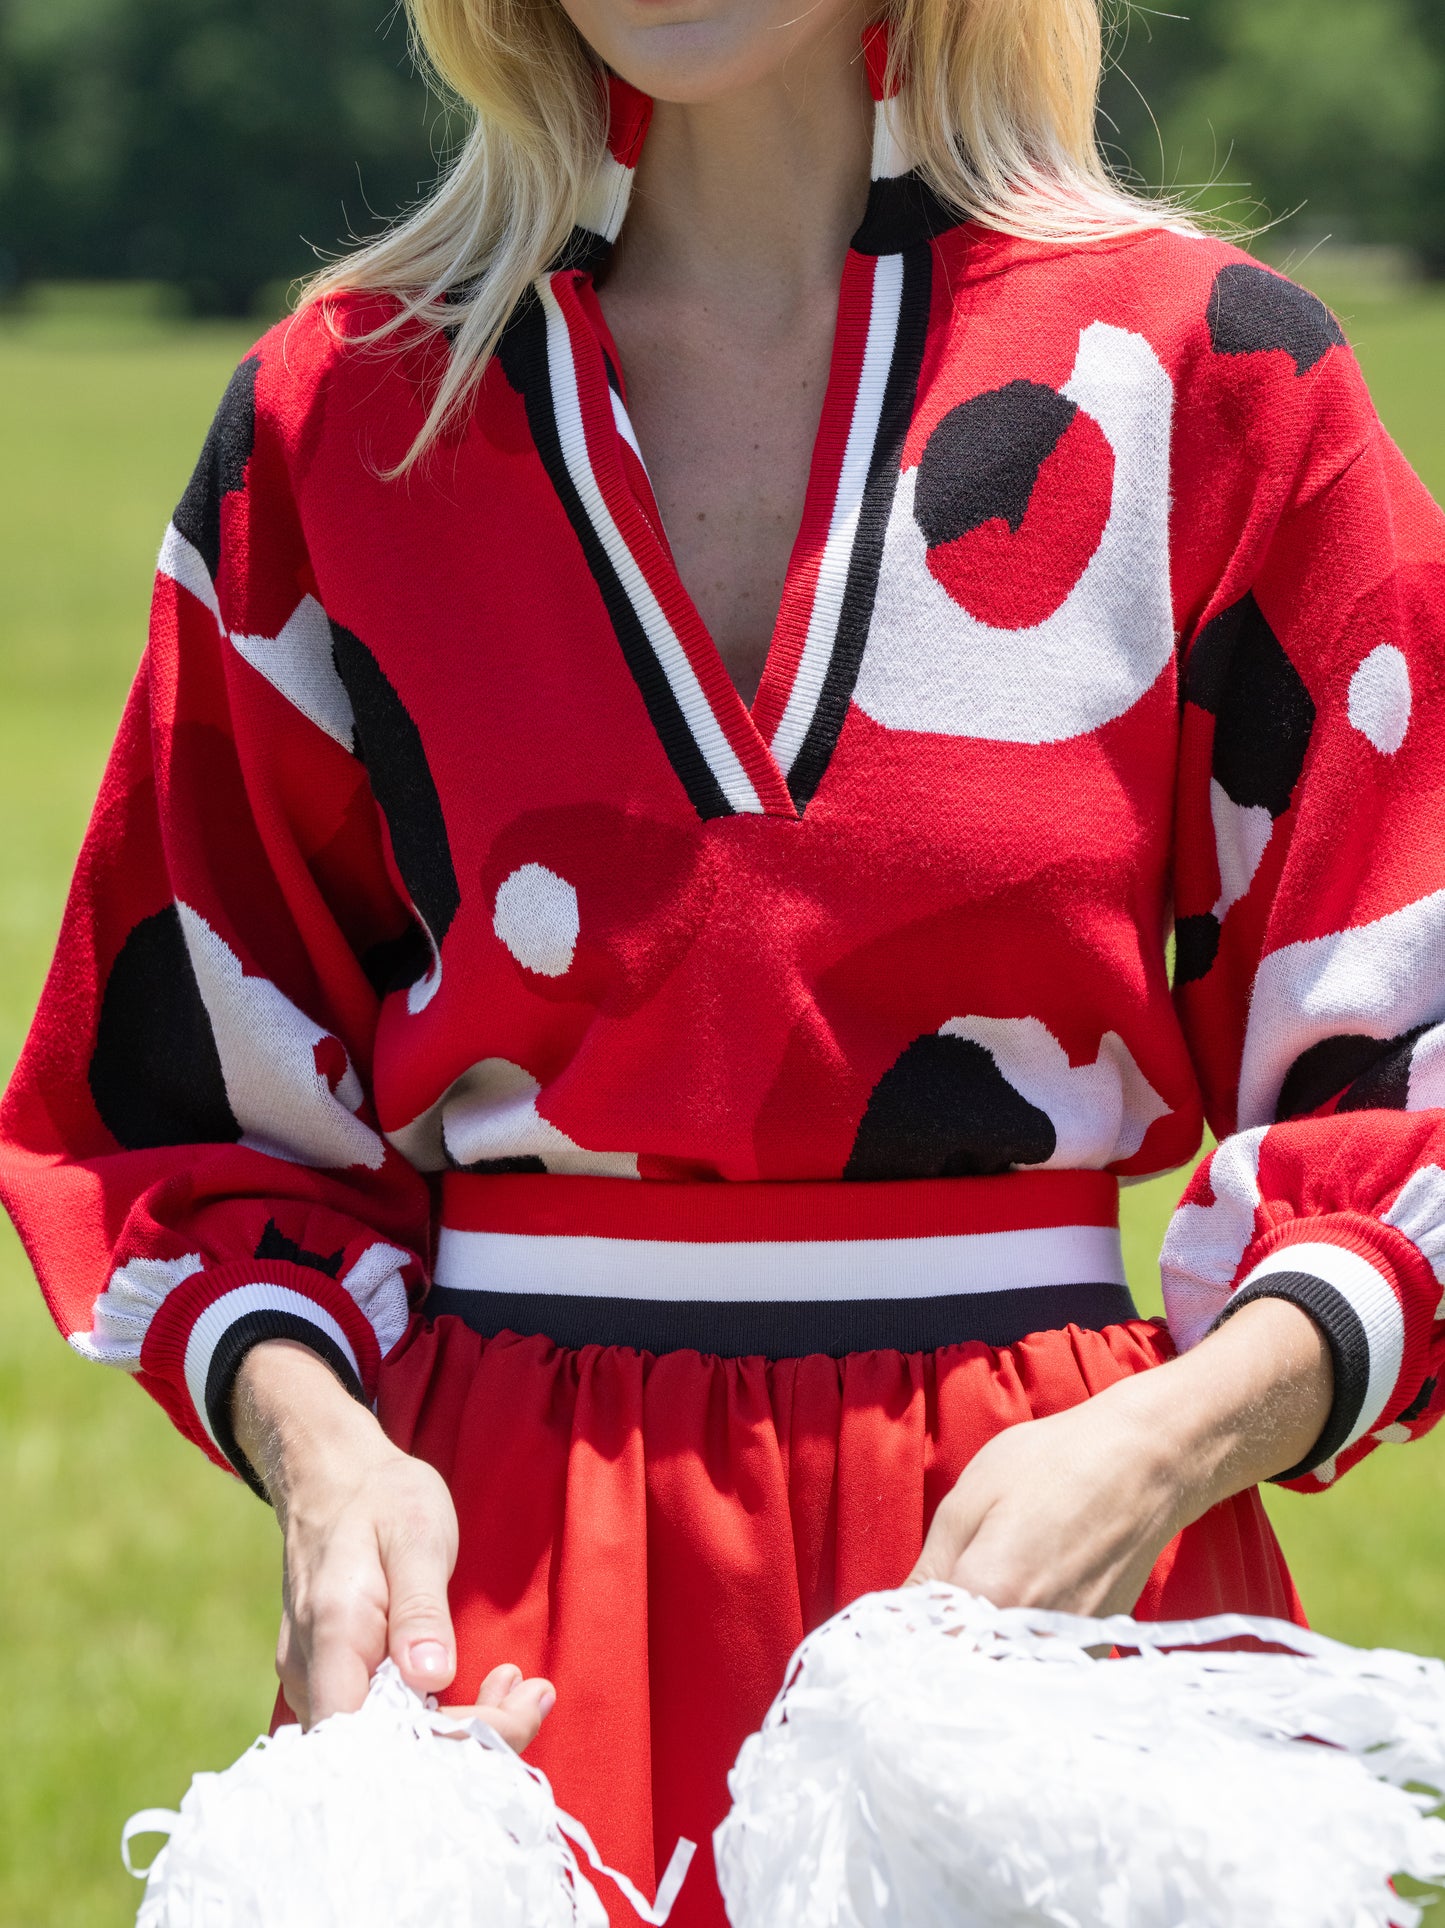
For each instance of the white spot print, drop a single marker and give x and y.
(1205, 1244)
(1099, 1112)
(124, 1311)
(930, 665)
(184, 564)
(490, 1112)
(1419, 1212)
(267, 1048)
(1241, 836)
(298, 662)
(1380, 698)
(1377, 981)
(1427, 1072)
(375, 1282)
(1396, 1435)
(535, 916)
(420, 994)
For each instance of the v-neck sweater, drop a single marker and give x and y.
(437, 839)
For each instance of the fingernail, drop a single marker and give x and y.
(547, 1702)
(429, 1658)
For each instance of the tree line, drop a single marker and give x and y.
(218, 144)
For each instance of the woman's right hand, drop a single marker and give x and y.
(370, 1543)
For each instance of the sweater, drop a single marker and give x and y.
(436, 837)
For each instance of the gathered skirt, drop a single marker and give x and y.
(656, 1533)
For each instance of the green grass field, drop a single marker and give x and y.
(138, 1609)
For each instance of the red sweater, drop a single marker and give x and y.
(436, 835)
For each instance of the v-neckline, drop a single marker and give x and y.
(784, 739)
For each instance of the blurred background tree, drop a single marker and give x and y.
(214, 144)
(1334, 108)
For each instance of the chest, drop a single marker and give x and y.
(726, 413)
(974, 638)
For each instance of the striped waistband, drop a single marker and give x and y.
(781, 1269)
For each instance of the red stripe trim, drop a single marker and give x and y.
(800, 584)
(629, 111)
(875, 59)
(163, 1350)
(774, 1213)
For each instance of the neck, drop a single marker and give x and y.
(758, 192)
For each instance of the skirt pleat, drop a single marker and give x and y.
(656, 1533)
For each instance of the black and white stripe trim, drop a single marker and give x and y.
(227, 1330)
(789, 1328)
(903, 211)
(847, 585)
(537, 354)
(802, 1270)
(1359, 1313)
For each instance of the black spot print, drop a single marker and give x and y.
(397, 962)
(1252, 310)
(390, 746)
(1263, 713)
(1373, 1074)
(1418, 1404)
(1386, 1085)
(155, 1072)
(275, 1245)
(221, 471)
(502, 1167)
(944, 1110)
(984, 457)
(1196, 945)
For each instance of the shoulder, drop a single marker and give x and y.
(328, 356)
(1248, 348)
(1222, 324)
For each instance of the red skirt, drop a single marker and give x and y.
(657, 1532)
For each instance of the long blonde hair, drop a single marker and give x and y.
(998, 115)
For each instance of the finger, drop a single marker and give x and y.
(337, 1681)
(998, 1580)
(498, 1684)
(419, 1625)
(291, 1670)
(519, 1717)
(345, 1637)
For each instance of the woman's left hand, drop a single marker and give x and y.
(514, 1706)
(1071, 1512)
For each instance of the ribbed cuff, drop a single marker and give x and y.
(207, 1326)
(1353, 1299)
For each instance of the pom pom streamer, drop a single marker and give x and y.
(379, 1817)
(936, 1760)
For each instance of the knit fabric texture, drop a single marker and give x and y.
(437, 837)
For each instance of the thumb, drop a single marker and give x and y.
(419, 1625)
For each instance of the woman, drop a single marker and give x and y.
(621, 956)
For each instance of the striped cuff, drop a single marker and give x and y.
(206, 1327)
(1354, 1302)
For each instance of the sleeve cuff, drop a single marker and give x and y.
(1354, 1301)
(206, 1327)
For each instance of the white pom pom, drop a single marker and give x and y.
(384, 1816)
(934, 1760)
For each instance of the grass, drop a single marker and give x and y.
(137, 1622)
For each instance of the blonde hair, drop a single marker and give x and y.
(998, 116)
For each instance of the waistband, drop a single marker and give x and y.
(780, 1270)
